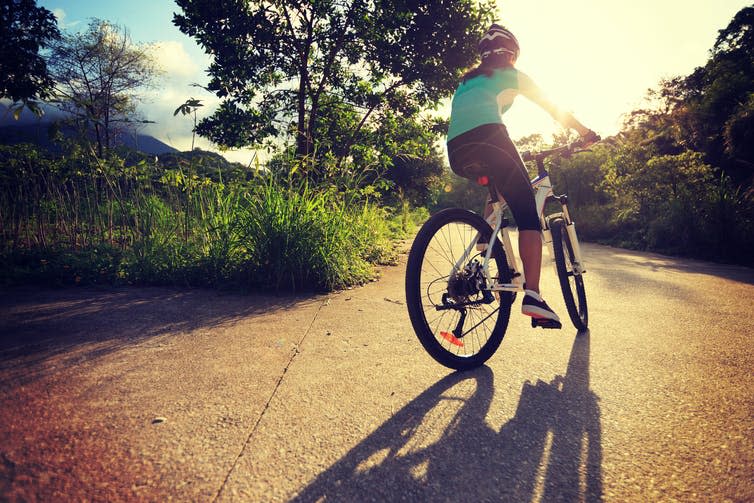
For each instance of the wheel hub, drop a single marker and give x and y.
(466, 282)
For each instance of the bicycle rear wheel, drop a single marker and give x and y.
(571, 283)
(458, 323)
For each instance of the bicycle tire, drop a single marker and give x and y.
(569, 282)
(439, 244)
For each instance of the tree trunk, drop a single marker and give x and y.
(303, 141)
(326, 72)
(98, 137)
(302, 145)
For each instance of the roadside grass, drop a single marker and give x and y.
(81, 220)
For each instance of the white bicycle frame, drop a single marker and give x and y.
(542, 190)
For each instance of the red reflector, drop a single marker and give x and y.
(483, 181)
(452, 339)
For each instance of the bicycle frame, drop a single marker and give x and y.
(542, 193)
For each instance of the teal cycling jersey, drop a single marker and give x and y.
(483, 100)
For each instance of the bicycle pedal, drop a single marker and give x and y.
(545, 323)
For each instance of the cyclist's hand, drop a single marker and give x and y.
(589, 138)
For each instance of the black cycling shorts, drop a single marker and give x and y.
(488, 150)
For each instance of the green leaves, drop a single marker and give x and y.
(739, 132)
(188, 107)
(72, 216)
(25, 30)
(701, 111)
(738, 36)
(283, 62)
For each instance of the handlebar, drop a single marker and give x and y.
(571, 148)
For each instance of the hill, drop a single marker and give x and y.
(41, 134)
(39, 130)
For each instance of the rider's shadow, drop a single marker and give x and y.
(440, 446)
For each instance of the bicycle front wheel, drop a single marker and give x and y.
(459, 323)
(571, 283)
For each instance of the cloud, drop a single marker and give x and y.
(171, 90)
(60, 15)
(174, 60)
(181, 70)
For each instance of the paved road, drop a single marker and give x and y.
(158, 394)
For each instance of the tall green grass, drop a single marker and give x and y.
(79, 219)
(299, 238)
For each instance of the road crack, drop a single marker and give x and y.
(294, 353)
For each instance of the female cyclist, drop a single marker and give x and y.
(478, 143)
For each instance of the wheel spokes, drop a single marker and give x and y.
(447, 248)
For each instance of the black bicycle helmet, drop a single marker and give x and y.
(498, 40)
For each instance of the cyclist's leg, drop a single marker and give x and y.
(470, 155)
(491, 148)
(513, 184)
(530, 251)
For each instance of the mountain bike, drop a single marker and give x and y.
(462, 275)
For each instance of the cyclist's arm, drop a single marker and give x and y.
(528, 88)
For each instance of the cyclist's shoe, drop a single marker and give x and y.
(535, 306)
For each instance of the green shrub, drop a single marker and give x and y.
(595, 222)
(299, 238)
(82, 220)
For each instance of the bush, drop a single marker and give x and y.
(84, 220)
(595, 222)
(454, 191)
(298, 238)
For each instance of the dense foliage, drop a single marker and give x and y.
(77, 218)
(712, 109)
(25, 29)
(316, 70)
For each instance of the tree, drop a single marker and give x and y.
(739, 134)
(738, 36)
(97, 74)
(413, 163)
(702, 104)
(25, 30)
(282, 63)
(189, 107)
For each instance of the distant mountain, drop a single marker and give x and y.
(32, 129)
(26, 117)
(147, 144)
(39, 135)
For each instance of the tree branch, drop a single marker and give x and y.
(327, 69)
(363, 121)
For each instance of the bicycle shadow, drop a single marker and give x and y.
(439, 447)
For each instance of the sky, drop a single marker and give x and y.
(596, 58)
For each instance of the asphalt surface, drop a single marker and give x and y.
(190, 395)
